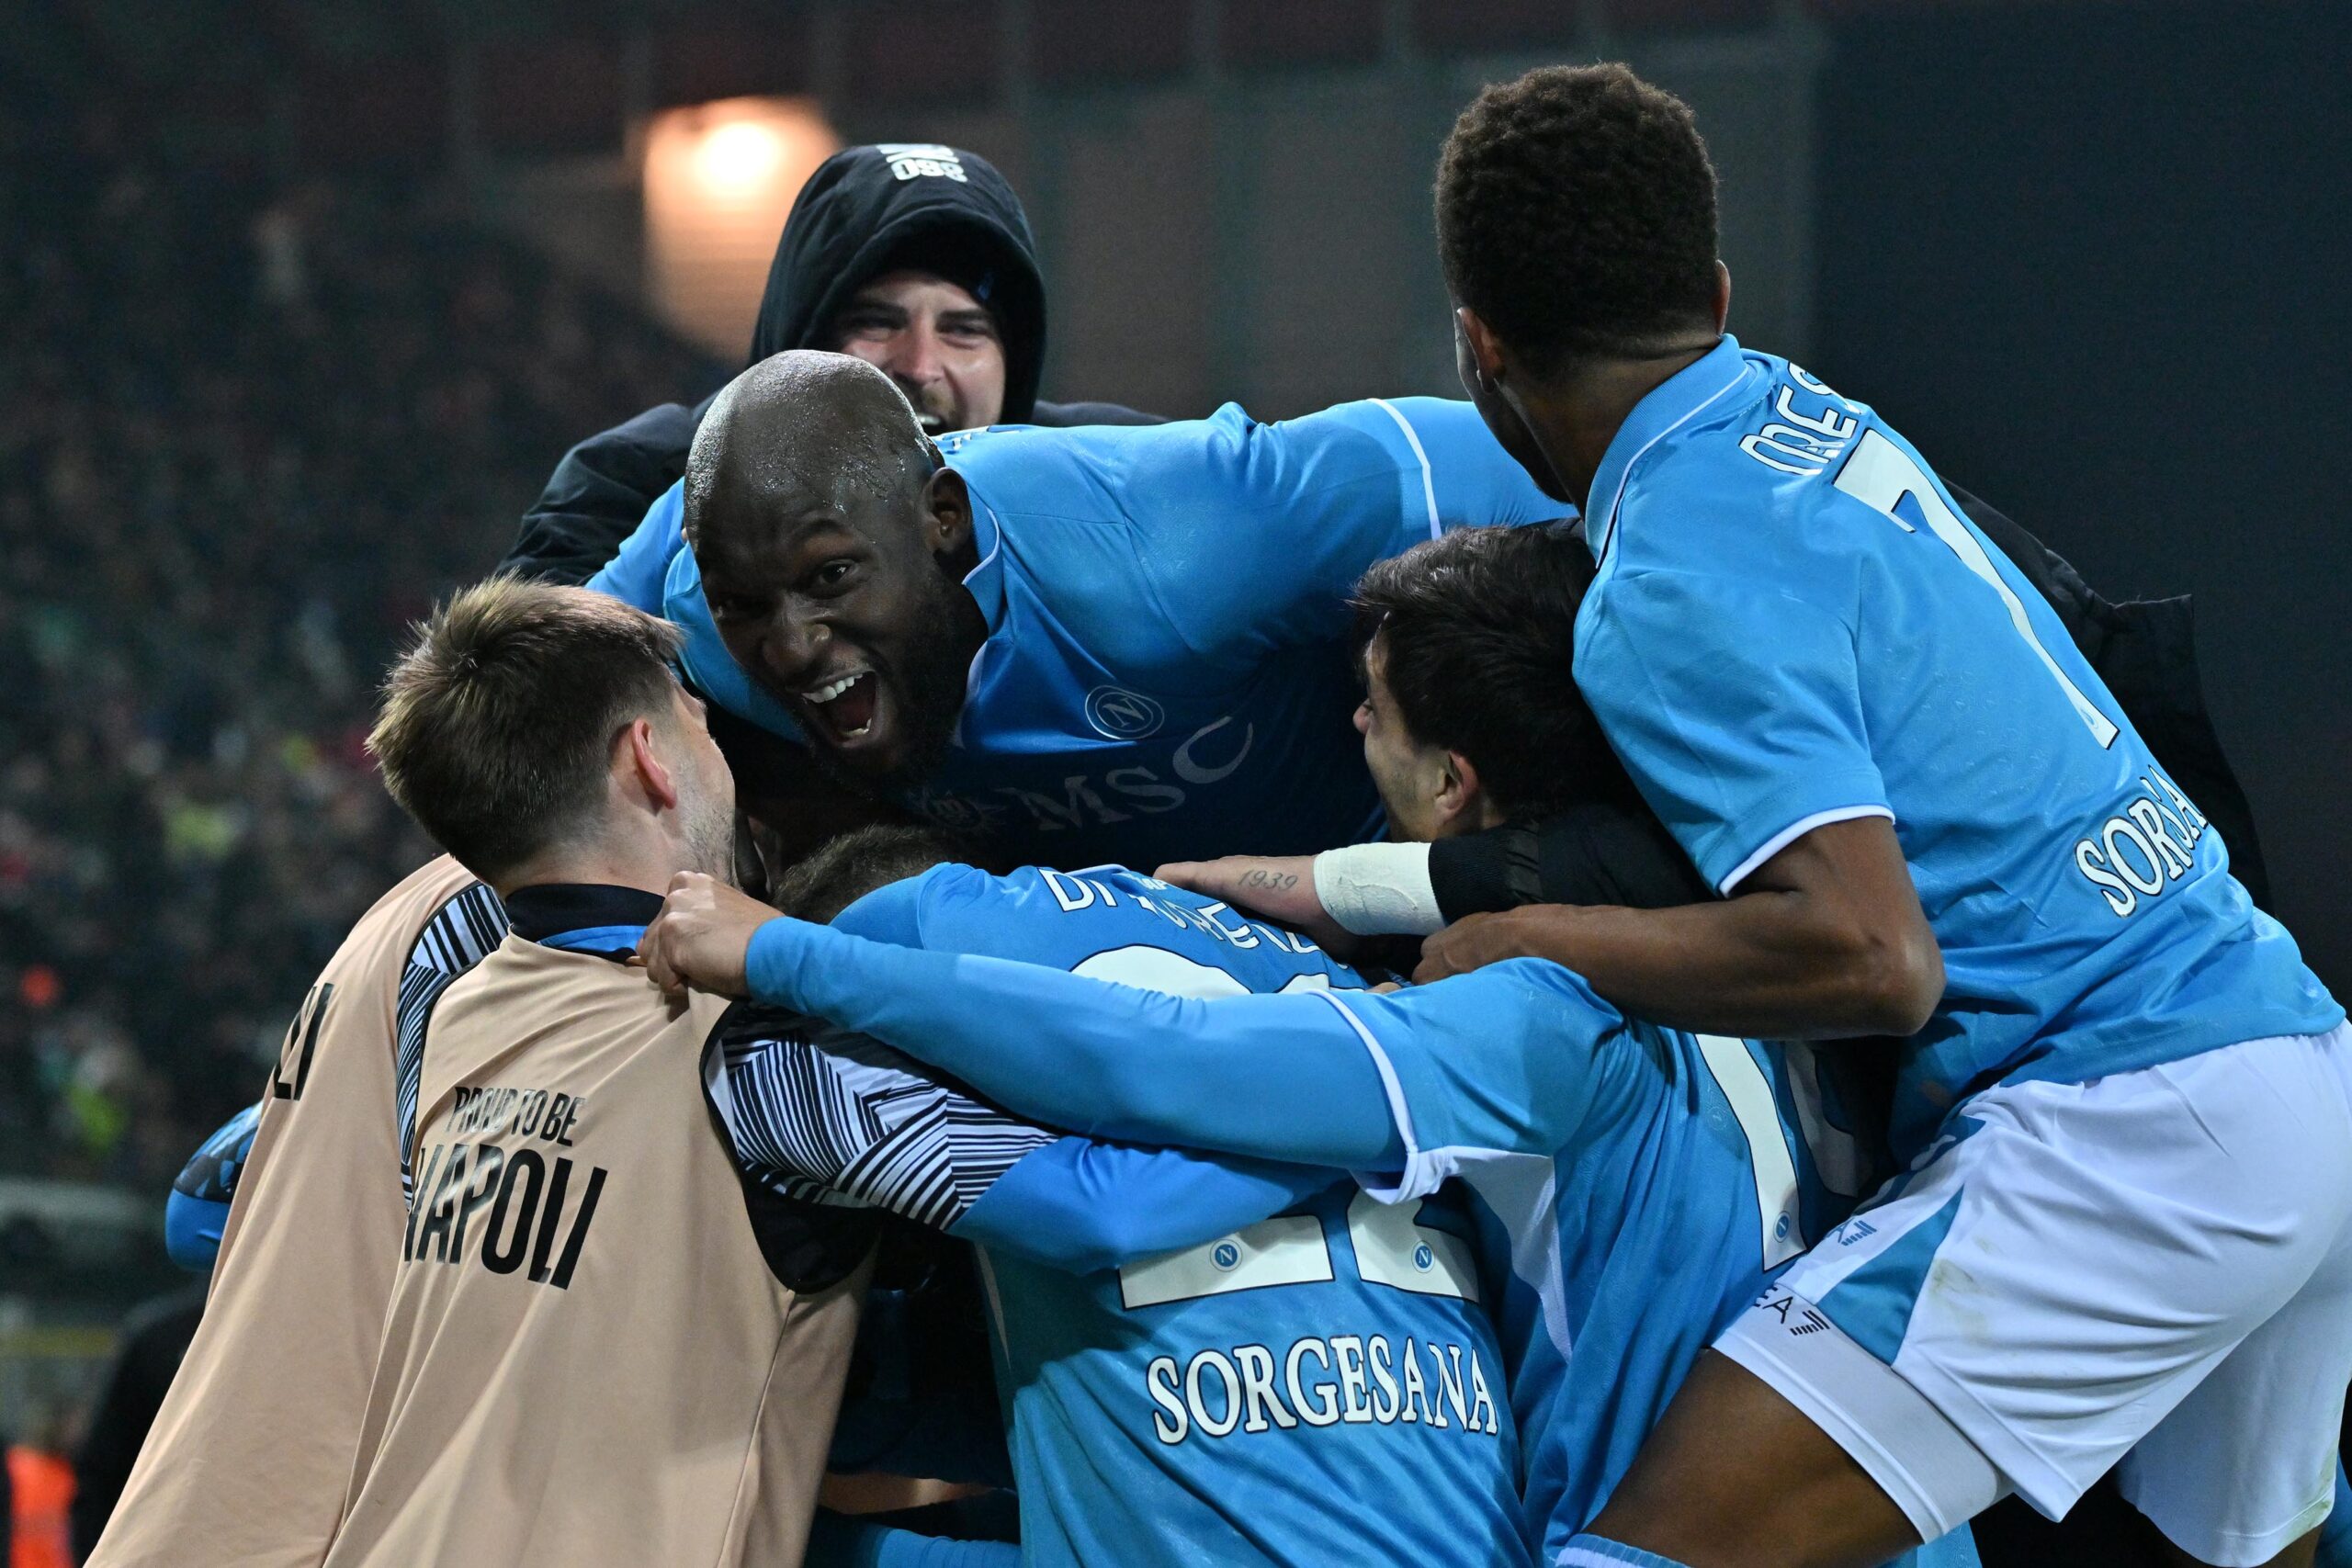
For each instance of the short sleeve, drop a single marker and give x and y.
(1467, 480)
(638, 570)
(1736, 709)
(1508, 1061)
(1293, 512)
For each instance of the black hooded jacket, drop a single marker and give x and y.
(866, 211)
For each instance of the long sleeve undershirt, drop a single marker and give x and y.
(1105, 1060)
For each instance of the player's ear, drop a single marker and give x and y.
(1459, 791)
(947, 513)
(1722, 295)
(1484, 349)
(645, 774)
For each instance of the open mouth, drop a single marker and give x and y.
(844, 707)
(932, 424)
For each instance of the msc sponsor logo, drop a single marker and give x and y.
(1210, 755)
(1353, 1379)
(1123, 714)
(923, 159)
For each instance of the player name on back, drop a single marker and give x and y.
(2144, 849)
(1352, 1379)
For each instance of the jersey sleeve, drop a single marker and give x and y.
(1105, 1060)
(1296, 512)
(1509, 1060)
(640, 568)
(826, 1115)
(1467, 480)
(1736, 708)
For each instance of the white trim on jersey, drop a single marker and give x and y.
(1413, 439)
(1790, 835)
(1409, 1184)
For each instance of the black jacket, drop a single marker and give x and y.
(866, 210)
(1606, 852)
(154, 1341)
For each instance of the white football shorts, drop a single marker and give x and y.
(2153, 1268)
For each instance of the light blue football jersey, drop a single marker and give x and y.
(1793, 624)
(1324, 1387)
(1631, 1188)
(1167, 670)
(1636, 1185)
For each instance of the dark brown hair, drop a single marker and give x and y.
(1477, 636)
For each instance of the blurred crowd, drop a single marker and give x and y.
(246, 434)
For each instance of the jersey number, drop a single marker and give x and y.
(1391, 1247)
(1879, 475)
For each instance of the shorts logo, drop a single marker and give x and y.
(1226, 1257)
(1423, 1258)
(917, 160)
(1778, 1303)
(1123, 714)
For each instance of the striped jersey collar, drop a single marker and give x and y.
(1670, 405)
(582, 917)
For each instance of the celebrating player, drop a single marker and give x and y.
(1070, 646)
(537, 733)
(1636, 1185)
(1924, 813)
(917, 259)
(1243, 1400)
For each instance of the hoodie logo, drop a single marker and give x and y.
(915, 160)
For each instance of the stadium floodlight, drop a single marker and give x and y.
(718, 179)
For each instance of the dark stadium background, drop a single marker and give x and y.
(299, 303)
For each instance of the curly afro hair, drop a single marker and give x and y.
(1576, 214)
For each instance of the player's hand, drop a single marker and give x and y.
(1475, 941)
(1280, 887)
(702, 935)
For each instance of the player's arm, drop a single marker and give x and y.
(827, 1109)
(1736, 709)
(1298, 510)
(640, 569)
(1109, 1061)
(1319, 1078)
(198, 1211)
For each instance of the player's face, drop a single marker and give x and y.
(706, 791)
(1502, 419)
(935, 341)
(1408, 773)
(844, 612)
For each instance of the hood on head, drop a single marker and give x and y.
(873, 209)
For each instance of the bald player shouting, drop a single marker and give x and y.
(1072, 646)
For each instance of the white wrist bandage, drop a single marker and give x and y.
(1378, 889)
